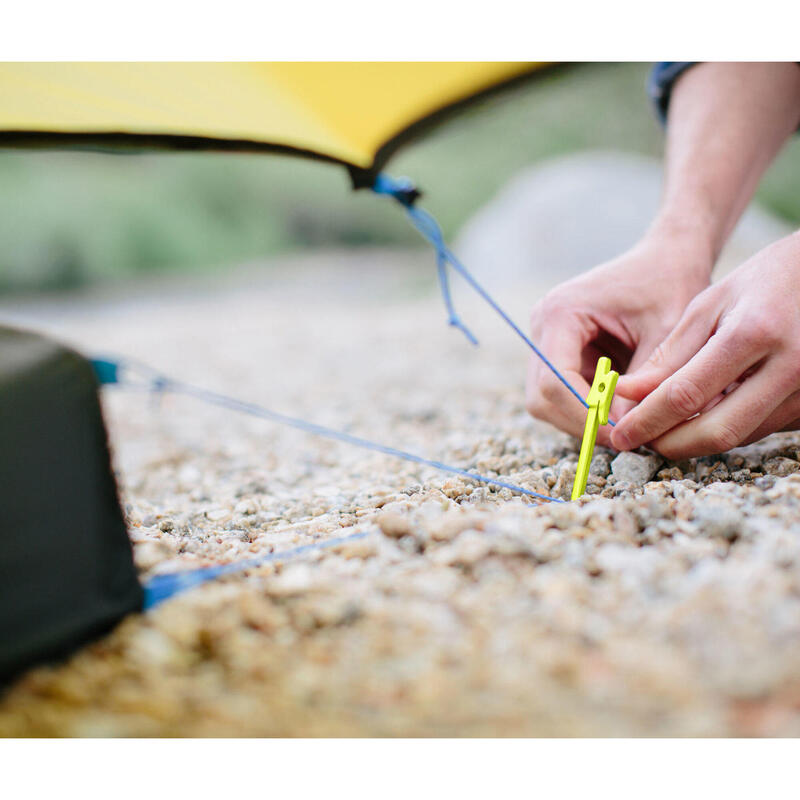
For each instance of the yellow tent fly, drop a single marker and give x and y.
(352, 113)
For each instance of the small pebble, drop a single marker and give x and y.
(634, 468)
(665, 603)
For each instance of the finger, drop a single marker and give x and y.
(549, 400)
(562, 338)
(729, 423)
(645, 350)
(666, 357)
(722, 360)
(573, 422)
(623, 402)
(604, 435)
(622, 405)
(786, 417)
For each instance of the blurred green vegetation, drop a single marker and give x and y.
(71, 218)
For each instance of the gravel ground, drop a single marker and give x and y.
(667, 603)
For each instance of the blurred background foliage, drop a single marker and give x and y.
(69, 219)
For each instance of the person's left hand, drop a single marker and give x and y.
(729, 372)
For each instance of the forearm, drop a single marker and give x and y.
(726, 123)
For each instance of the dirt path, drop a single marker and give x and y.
(668, 609)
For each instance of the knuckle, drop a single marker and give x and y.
(536, 406)
(543, 314)
(536, 313)
(557, 305)
(684, 397)
(658, 356)
(554, 305)
(723, 437)
(702, 302)
(550, 390)
(761, 331)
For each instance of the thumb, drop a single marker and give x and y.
(622, 402)
(684, 341)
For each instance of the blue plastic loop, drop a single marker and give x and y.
(429, 229)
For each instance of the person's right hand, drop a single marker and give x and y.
(622, 309)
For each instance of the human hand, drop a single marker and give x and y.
(621, 309)
(729, 372)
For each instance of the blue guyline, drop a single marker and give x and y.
(403, 191)
(162, 587)
(108, 372)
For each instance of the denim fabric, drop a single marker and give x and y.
(662, 79)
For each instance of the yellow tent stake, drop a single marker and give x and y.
(599, 401)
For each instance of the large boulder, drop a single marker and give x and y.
(559, 218)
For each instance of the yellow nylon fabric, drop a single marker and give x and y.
(341, 110)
